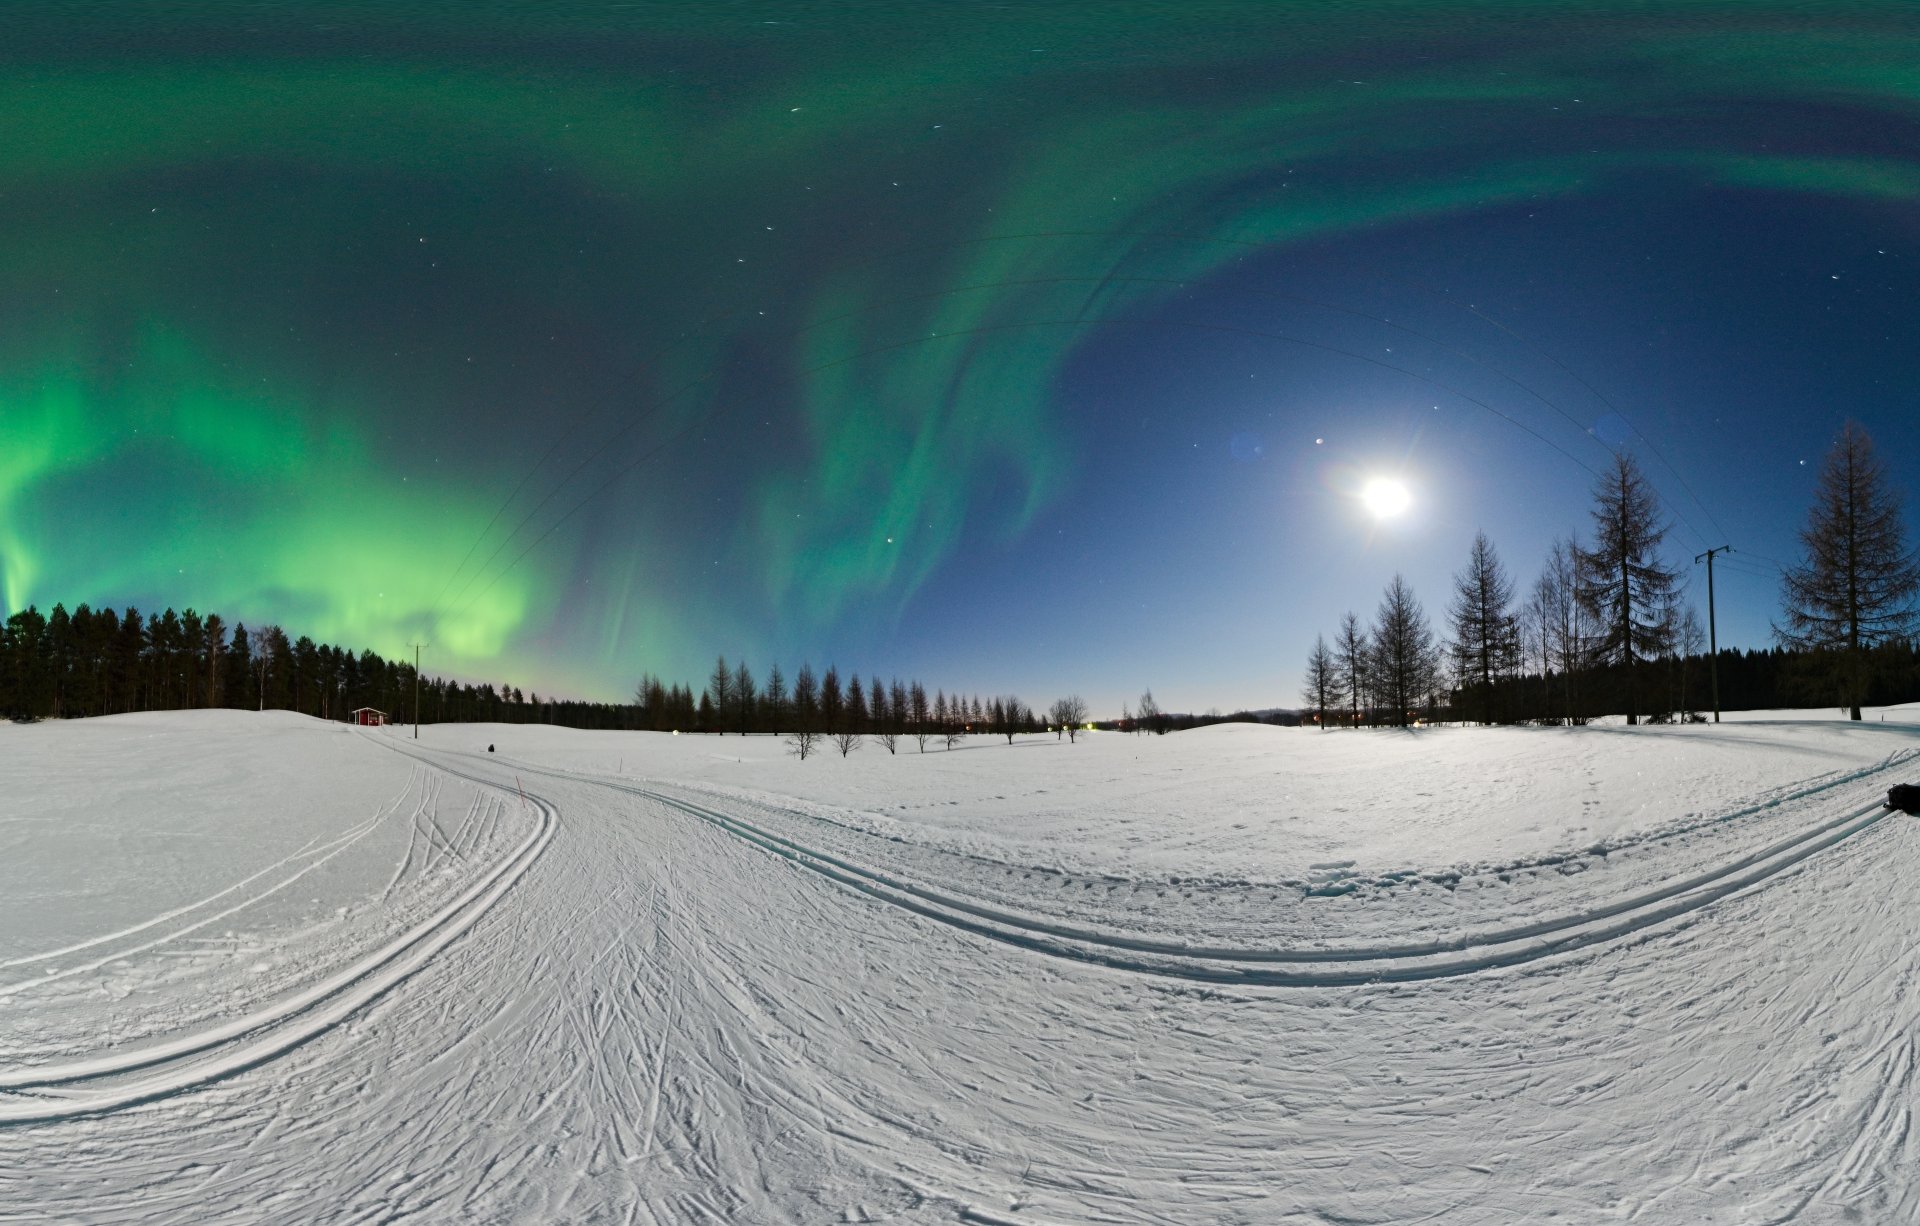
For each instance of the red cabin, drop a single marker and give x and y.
(367, 717)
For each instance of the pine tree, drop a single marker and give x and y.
(1323, 689)
(720, 696)
(1351, 652)
(744, 696)
(920, 715)
(806, 700)
(857, 715)
(1857, 584)
(1484, 642)
(1404, 658)
(880, 716)
(1623, 586)
(774, 702)
(61, 652)
(833, 703)
(215, 631)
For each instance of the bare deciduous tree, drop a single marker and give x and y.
(1561, 623)
(1149, 717)
(1069, 713)
(802, 742)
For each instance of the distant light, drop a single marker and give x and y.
(1385, 498)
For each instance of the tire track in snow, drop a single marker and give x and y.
(104, 1083)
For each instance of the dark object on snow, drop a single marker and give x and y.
(1904, 797)
(489, 749)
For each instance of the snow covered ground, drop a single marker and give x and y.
(255, 967)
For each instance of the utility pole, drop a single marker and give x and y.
(1713, 637)
(416, 678)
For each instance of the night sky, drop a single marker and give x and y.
(1028, 348)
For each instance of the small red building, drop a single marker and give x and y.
(367, 717)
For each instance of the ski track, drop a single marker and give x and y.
(332, 849)
(42, 1092)
(678, 1016)
(1406, 962)
(352, 835)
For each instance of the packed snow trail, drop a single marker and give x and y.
(661, 1022)
(38, 1092)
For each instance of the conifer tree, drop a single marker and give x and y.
(833, 703)
(857, 716)
(744, 696)
(1351, 653)
(774, 703)
(1856, 584)
(719, 695)
(1485, 642)
(1404, 658)
(215, 631)
(806, 699)
(920, 716)
(1623, 586)
(1323, 689)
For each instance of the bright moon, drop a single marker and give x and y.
(1385, 498)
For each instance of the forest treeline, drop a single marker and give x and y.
(1606, 629)
(103, 662)
(823, 710)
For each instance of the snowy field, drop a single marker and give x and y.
(257, 967)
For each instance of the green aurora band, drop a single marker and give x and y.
(290, 310)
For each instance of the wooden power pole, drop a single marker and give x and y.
(416, 679)
(1713, 637)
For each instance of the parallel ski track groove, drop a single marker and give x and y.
(44, 1093)
(1362, 964)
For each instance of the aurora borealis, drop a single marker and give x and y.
(989, 343)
